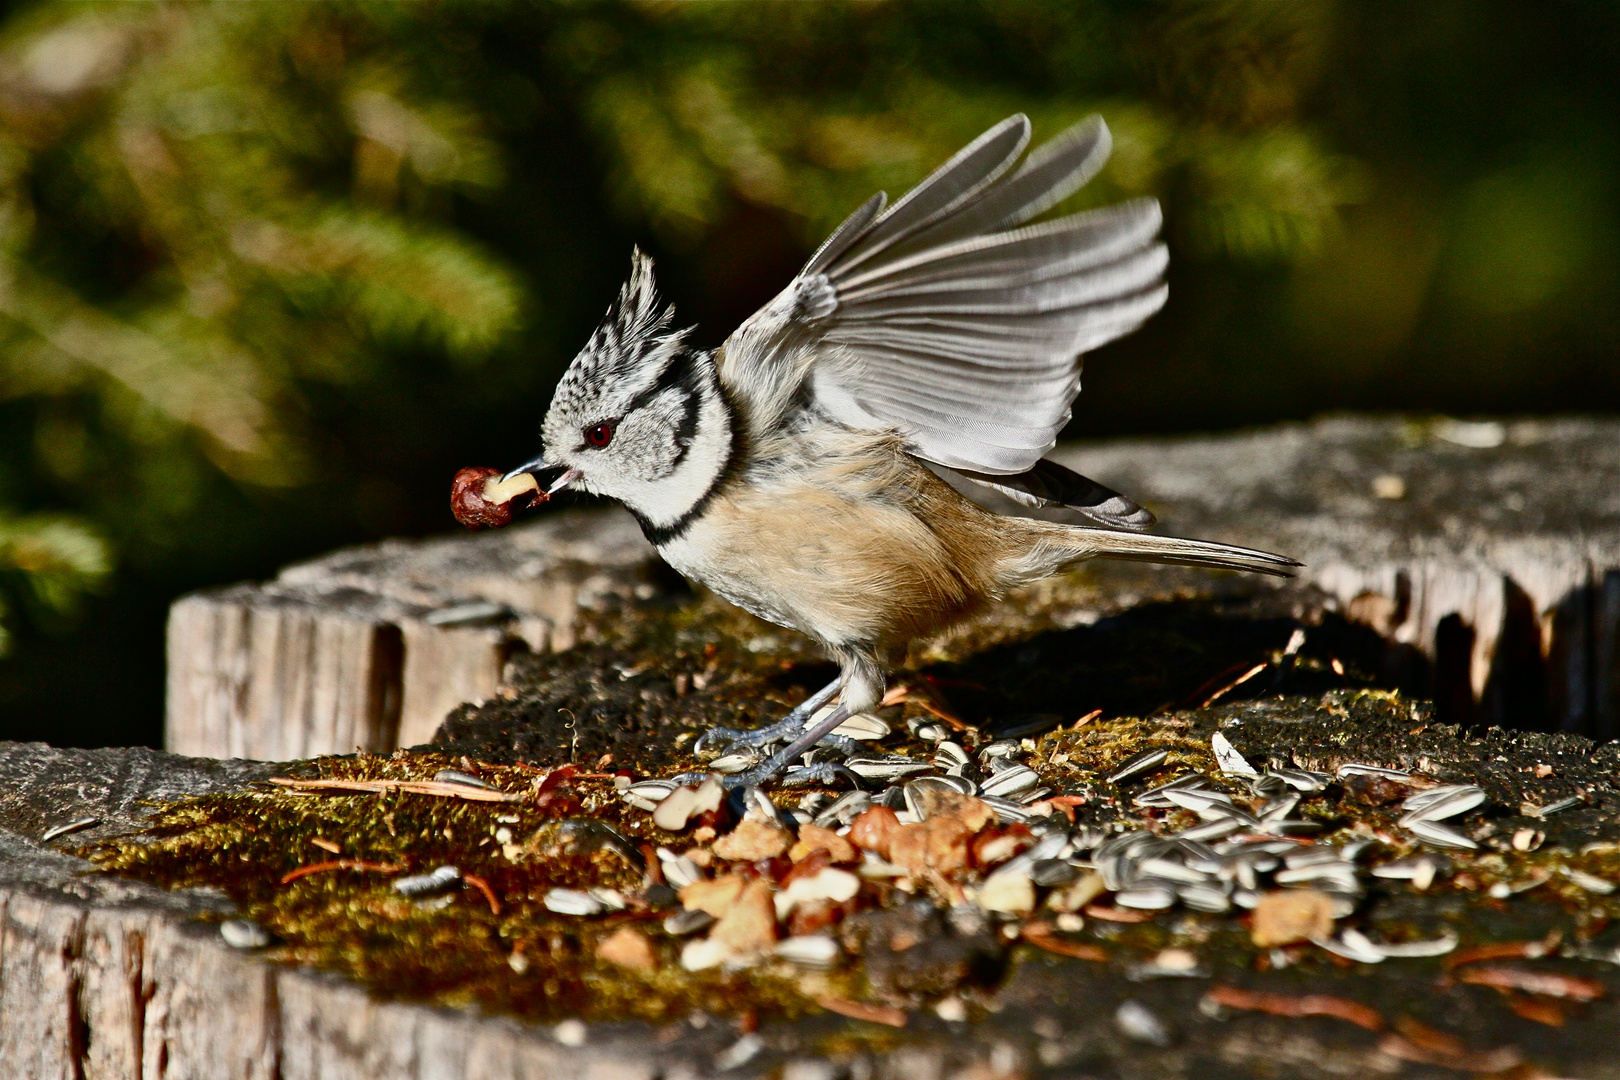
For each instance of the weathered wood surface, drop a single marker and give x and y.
(105, 979)
(369, 647)
(1490, 551)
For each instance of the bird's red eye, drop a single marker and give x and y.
(599, 435)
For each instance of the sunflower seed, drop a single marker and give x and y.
(1352, 851)
(758, 806)
(572, 902)
(1440, 803)
(950, 755)
(611, 899)
(844, 809)
(1168, 964)
(864, 727)
(998, 749)
(1047, 847)
(892, 796)
(1303, 780)
(1420, 871)
(244, 934)
(1311, 856)
(1087, 837)
(1357, 769)
(1277, 809)
(1440, 835)
(1289, 827)
(929, 732)
(1528, 839)
(1407, 950)
(1148, 759)
(651, 790)
(1140, 1024)
(1152, 898)
(808, 950)
(456, 776)
(68, 827)
(1212, 830)
(889, 767)
(1007, 811)
(472, 611)
(730, 764)
(1053, 872)
(1198, 800)
(1246, 898)
(1156, 797)
(1555, 807)
(422, 884)
(739, 1053)
(1590, 882)
(1227, 757)
(687, 921)
(1335, 873)
(1268, 785)
(920, 794)
(1352, 946)
(1034, 795)
(1179, 873)
(1011, 782)
(1205, 897)
(681, 872)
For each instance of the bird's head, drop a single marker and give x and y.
(638, 416)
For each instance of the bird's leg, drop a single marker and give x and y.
(785, 728)
(784, 757)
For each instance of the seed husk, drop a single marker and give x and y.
(1411, 949)
(68, 827)
(456, 776)
(1011, 782)
(1228, 758)
(863, 727)
(1432, 832)
(572, 902)
(885, 768)
(244, 934)
(1151, 898)
(422, 884)
(1149, 759)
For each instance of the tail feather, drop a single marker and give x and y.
(1179, 551)
(1067, 544)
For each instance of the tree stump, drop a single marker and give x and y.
(1487, 554)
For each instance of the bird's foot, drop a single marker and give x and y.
(730, 740)
(822, 773)
(733, 740)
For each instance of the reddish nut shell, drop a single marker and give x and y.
(467, 500)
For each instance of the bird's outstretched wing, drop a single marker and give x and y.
(943, 319)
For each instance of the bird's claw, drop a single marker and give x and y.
(822, 772)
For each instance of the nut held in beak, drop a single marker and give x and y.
(481, 500)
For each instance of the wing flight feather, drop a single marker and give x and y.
(949, 320)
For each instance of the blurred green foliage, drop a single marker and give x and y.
(269, 272)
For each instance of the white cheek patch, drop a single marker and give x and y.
(667, 499)
(650, 438)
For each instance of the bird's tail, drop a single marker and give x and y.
(1057, 546)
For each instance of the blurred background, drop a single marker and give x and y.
(271, 272)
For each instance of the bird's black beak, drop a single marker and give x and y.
(551, 478)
